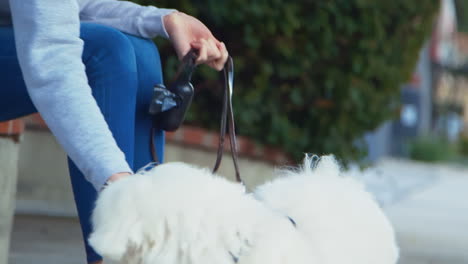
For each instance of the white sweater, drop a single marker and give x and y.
(49, 51)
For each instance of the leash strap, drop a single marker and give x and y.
(228, 113)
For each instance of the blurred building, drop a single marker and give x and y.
(450, 66)
(415, 114)
(435, 100)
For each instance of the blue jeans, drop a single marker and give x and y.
(122, 70)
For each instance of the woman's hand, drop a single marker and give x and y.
(118, 176)
(114, 177)
(187, 32)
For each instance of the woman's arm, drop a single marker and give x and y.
(143, 21)
(184, 31)
(49, 51)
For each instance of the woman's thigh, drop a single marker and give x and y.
(122, 70)
(14, 98)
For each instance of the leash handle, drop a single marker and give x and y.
(186, 68)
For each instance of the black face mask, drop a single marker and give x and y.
(169, 105)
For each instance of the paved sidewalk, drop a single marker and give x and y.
(46, 240)
(428, 205)
(432, 223)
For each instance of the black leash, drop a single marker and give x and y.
(227, 113)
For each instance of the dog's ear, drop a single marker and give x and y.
(116, 227)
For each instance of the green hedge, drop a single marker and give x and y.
(311, 76)
(432, 149)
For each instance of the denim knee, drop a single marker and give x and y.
(107, 45)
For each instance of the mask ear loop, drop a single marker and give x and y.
(227, 111)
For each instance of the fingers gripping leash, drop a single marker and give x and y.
(168, 107)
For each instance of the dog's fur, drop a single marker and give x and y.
(179, 214)
(337, 215)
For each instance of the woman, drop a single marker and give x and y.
(88, 67)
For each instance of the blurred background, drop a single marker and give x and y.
(383, 85)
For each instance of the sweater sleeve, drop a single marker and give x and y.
(143, 21)
(49, 52)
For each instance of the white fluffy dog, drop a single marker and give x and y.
(175, 213)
